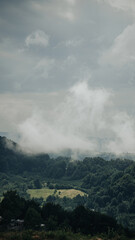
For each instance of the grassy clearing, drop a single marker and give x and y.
(45, 192)
(71, 193)
(38, 193)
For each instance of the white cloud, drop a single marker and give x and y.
(73, 43)
(77, 123)
(44, 67)
(55, 122)
(67, 14)
(16, 108)
(37, 38)
(68, 62)
(123, 49)
(124, 129)
(64, 9)
(70, 125)
(71, 2)
(124, 5)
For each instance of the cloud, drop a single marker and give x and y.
(67, 14)
(64, 9)
(20, 20)
(71, 2)
(68, 125)
(124, 129)
(68, 62)
(44, 67)
(53, 58)
(123, 49)
(124, 5)
(16, 108)
(73, 43)
(37, 38)
(84, 117)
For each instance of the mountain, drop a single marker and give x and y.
(109, 185)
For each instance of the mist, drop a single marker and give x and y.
(85, 121)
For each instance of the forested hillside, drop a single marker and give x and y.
(109, 185)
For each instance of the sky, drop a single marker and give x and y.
(67, 74)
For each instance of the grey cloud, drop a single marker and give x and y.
(76, 119)
(75, 38)
(37, 38)
(124, 5)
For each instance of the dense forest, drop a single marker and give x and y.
(109, 186)
(54, 216)
(51, 217)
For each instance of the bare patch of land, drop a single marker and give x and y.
(45, 192)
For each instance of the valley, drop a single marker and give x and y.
(100, 185)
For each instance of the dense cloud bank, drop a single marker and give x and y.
(85, 120)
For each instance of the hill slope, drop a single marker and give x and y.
(110, 185)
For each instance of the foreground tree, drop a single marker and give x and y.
(32, 219)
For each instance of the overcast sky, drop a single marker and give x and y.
(54, 53)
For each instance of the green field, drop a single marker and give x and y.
(45, 192)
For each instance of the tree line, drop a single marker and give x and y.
(54, 216)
